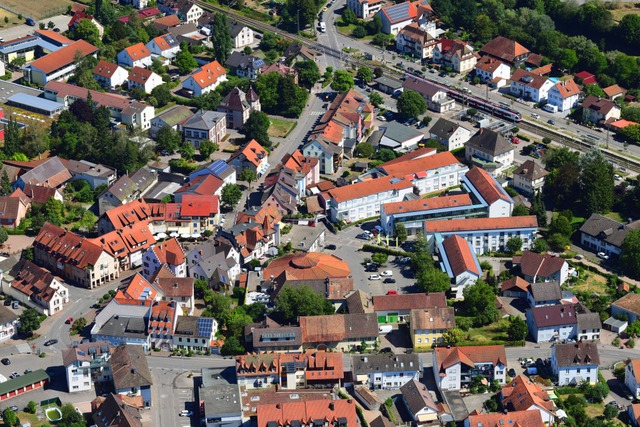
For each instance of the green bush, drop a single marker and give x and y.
(524, 137)
(373, 248)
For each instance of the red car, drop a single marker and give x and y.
(392, 292)
(69, 320)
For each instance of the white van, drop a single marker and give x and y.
(550, 108)
(322, 27)
(535, 115)
(385, 329)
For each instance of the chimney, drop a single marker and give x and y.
(332, 406)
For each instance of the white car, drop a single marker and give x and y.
(185, 413)
(382, 118)
(387, 273)
(617, 177)
(374, 277)
(603, 255)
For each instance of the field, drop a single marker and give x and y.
(280, 128)
(38, 9)
(592, 283)
(13, 18)
(624, 8)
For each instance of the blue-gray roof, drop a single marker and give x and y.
(400, 133)
(45, 45)
(35, 102)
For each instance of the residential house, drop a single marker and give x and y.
(544, 294)
(124, 216)
(74, 258)
(589, 326)
(575, 363)
(329, 155)
(530, 86)
(419, 402)
(254, 234)
(602, 234)
(298, 52)
(172, 289)
(552, 323)
(460, 263)
(386, 371)
(388, 85)
(364, 199)
(436, 97)
(395, 17)
(128, 244)
(614, 91)
(36, 288)
(633, 412)
(220, 396)
(162, 322)
(166, 23)
(599, 110)
(485, 234)
(187, 11)
(311, 369)
(203, 185)
(132, 113)
(13, 209)
(143, 78)
(205, 79)
(270, 336)
(341, 332)
(456, 367)
(169, 254)
(95, 174)
(111, 410)
(174, 117)
(238, 106)
(398, 308)
(414, 40)
(564, 95)
(8, 323)
(628, 305)
(204, 125)
(137, 55)
(515, 287)
(216, 264)
(522, 394)
(449, 134)
(258, 370)
(490, 70)
(427, 325)
(543, 268)
(80, 15)
(165, 46)
(219, 169)
(85, 364)
(455, 54)
(282, 69)
(125, 320)
(529, 177)
(364, 9)
(109, 75)
(518, 418)
(49, 173)
(252, 156)
(58, 65)
(201, 210)
(241, 34)
(40, 194)
(488, 192)
(632, 378)
(145, 13)
(243, 65)
(196, 333)
(506, 50)
(299, 413)
(490, 151)
(131, 375)
(306, 170)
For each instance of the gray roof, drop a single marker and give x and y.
(531, 170)
(7, 315)
(578, 354)
(46, 171)
(124, 327)
(443, 128)
(423, 87)
(490, 142)
(235, 28)
(114, 412)
(359, 302)
(220, 392)
(389, 82)
(25, 100)
(385, 362)
(612, 322)
(129, 367)
(607, 229)
(553, 315)
(204, 120)
(589, 321)
(400, 133)
(292, 334)
(417, 396)
(242, 60)
(88, 168)
(545, 291)
(382, 421)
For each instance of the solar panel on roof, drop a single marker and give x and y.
(271, 335)
(205, 326)
(398, 11)
(218, 167)
(81, 353)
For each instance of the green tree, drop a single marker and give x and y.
(10, 418)
(431, 279)
(596, 183)
(538, 209)
(453, 336)
(365, 74)
(595, 90)
(480, 302)
(11, 138)
(365, 149)
(342, 81)
(292, 303)
(568, 59)
(257, 127)
(517, 329)
(54, 211)
(5, 184)
(376, 99)
(221, 38)
(411, 104)
(162, 94)
(186, 150)
(610, 411)
(248, 175)
(629, 29)
(348, 16)
(630, 256)
(561, 225)
(184, 60)
(385, 154)
(400, 232)
(308, 73)
(231, 195)
(71, 417)
(557, 242)
(31, 407)
(87, 31)
(520, 210)
(29, 321)
(359, 32)
(381, 40)
(514, 244)
(168, 139)
(207, 147)
(380, 258)
(539, 245)
(232, 347)
(485, 28)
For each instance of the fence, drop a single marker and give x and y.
(54, 400)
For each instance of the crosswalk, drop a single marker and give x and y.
(316, 113)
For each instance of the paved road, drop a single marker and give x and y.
(17, 31)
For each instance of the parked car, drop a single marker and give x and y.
(363, 236)
(6, 361)
(14, 408)
(7, 302)
(185, 413)
(374, 277)
(14, 375)
(382, 118)
(15, 305)
(331, 247)
(392, 292)
(50, 342)
(389, 280)
(512, 373)
(387, 273)
(31, 22)
(27, 371)
(69, 320)
(603, 255)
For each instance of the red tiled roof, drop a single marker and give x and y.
(567, 88)
(614, 90)
(168, 21)
(622, 123)
(137, 289)
(473, 224)
(432, 203)
(409, 301)
(54, 36)
(427, 163)
(522, 393)
(122, 242)
(203, 184)
(487, 186)
(433, 318)
(504, 48)
(460, 257)
(34, 282)
(162, 43)
(128, 214)
(533, 264)
(162, 317)
(172, 286)
(78, 16)
(253, 152)
(208, 74)
(531, 418)
(39, 193)
(468, 355)
(140, 75)
(308, 266)
(586, 77)
(68, 247)
(199, 205)
(489, 64)
(63, 56)
(528, 78)
(515, 284)
(366, 188)
(170, 252)
(105, 69)
(307, 412)
(137, 51)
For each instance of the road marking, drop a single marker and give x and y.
(78, 300)
(316, 113)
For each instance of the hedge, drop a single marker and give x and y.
(524, 137)
(381, 249)
(363, 420)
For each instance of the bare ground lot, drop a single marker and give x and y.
(36, 9)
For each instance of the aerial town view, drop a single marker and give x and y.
(319, 213)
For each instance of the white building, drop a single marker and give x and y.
(8, 323)
(205, 79)
(530, 86)
(576, 363)
(552, 323)
(490, 151)
(455, 54)
(415, 41)
(135, 56)
(169, 253)
(196, 334)
(399, 138)
(37, 288)
(449, 134)
(165, 45)
(363, 199)
(460, 264)
(143, 78)
(489, 69)
(436, 97)
(364, 8)
(589, 326)
(85, 364)
(109, 74)
(241, 34)
(489, 193)
(564, 95)
(386, 371)
(456, 367)
(529, 177)
(632, 377)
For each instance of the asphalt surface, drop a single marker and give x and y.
(22, 30)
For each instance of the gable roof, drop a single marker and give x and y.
(426, 318)
(385, 362)
(531, 418)
(169, 252)
(50, 173)
(521, 393)
(417, 396)
(366, 188)
(105, 69)
(459, 256)
(531, 171)
(528, 78)
(490, 142)
(614, 90)
(140, 75)
(199, 205)
(166, 22)
(68, 247)
(423, 87)
(338, 327)
(203, 120)
(208, 74)
(567, 88)
(536, 265)
(488, 64)
(578, 354)
(545, 291)
(488, 187)
(318, 411)
(137, 51)
(400, 12)
(114, 412)
(34, 282)
(588, 321)
(444, 128)
(475, 224)
(252, 152)
(600, 105)
(554, 315)
(137, 289)
(128, 214)
(166, 41)
(428, 204)
(630, 302)
(607, 229)
(124, 241)
(409, 301)
(468, 355)
(504, 48)
(516, 284)
(10, 206)
(129, 367)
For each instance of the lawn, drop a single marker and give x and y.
(38, 9)
(616, 217)
(281, 128)
(346, 29)
(591, 283)
(32, 419)
(623, 8)
(495, 332)
(13, 18)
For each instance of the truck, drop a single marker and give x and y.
(550, 108)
